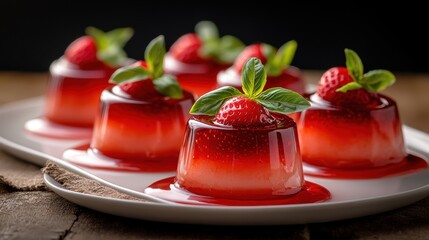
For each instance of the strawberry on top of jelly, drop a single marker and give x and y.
(205, 45)
(349, 86)
(276, 61)
(145, 80)
(254, 108)
(99, 49)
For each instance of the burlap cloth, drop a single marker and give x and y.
(16, 175)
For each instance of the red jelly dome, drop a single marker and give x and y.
(76, 82)
(226, 162)
(351, 131)
(351, 138)
(139, 130)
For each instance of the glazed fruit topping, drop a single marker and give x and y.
(254, 108)
(350, 86)
(146, 79)
(275, 60)
(99, 47)
(206, 44)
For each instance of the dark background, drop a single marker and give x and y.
(33, 34)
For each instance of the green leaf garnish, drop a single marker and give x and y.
(129, 74)
(254, 79)
(377, 80)
(349, 86)
(154, 56)
(354, 64)
(286, 53)
(222, 49)
(168, 86)
(280, 60)
(110, 44)
(282, 100)
(210, 103)
(207, 31)
(372, 81)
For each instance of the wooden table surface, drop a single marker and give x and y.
(44, 209)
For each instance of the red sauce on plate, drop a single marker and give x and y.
(166, 189)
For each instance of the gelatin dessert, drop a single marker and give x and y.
(196, 58)
(142, 119)
(351, 131)
(277, 65)
(241, 149)
(76, 82)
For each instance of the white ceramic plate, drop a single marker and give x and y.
(350, 198)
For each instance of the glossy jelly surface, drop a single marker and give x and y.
(351, 138)
(225, 162)
(133, 130)
(73, 94)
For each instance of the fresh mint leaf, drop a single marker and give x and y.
(229, 47)
(377, 80)
(270, 66)
(154, 56)
(282, 100)
(349, 86)
(207, 31)
(210, 103)
(130, 73)
(168, 86)
(120, 36)
(285, 54)
(110, 45)
(253, 77)
(354, 64)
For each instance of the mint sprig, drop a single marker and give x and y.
(279, 60)
(253, 79)
(165, 84)
(110, 44)
(222, 49)
(372, 81)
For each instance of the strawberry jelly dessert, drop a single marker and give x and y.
(241, 149)
(277, 65)
(76, 82)
(196, 58)
(351, 131)
(141, 122)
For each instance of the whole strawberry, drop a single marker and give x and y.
(350, 86)
(205, 44)
(254, 108)
(276, 61)
(98, 48)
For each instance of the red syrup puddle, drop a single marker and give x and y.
(86, 157)
(165, 189)
(410, 164)
(45, 128)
